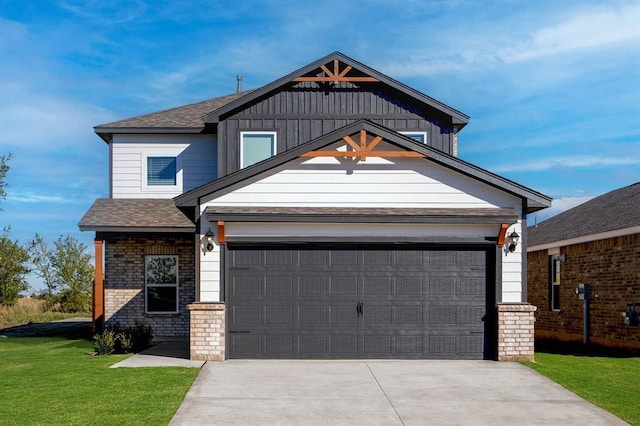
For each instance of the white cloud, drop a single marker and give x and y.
(574, 162)
(47, 122)
(558, 206)
(105, 12)
(591, 29)
(28, 197)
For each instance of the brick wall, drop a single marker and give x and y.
(124, 281)
(515, 331)
(612, 268)
(207, 337)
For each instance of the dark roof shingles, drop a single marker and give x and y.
(135, 213)
(614, 210)
(187, 116)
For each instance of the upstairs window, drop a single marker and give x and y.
(256, 146)
(161, 171)
(416, 136)
(554, 282)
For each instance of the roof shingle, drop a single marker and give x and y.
(614, 210)
(110, 214)
(184, 117)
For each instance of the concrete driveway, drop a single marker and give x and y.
(381, 393)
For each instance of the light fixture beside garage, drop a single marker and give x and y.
(209, 240)
(514, 237)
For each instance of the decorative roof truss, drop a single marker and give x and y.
(336, 76)
(362, 150)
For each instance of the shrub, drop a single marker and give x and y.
(105, 342)
(125, 339)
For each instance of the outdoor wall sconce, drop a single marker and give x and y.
(514, 237)
(209, 244)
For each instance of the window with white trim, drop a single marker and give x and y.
(416, 136)
(161, 284)
(256, 146)
(161, 171)
(554, 282)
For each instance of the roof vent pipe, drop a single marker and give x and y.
(239, 77)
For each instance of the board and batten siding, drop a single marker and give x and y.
(378, 182)
(304, 112)
(196, 163)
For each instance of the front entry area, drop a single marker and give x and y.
(360, 301)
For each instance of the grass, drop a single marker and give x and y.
(30, 310)
(51, 380)
(609, 382)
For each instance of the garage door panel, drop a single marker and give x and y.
(343, 285)
(344, 314)
(299, 303)
(377, 285)
(313, 286)
(313, 315)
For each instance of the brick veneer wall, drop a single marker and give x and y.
(207, 337)
(515, 331)
(612, 268)
(124, 281)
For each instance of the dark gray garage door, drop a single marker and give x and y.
(356, 302)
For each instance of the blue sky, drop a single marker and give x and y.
(552, 87)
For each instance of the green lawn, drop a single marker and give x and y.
(611, 383)
(51, 380)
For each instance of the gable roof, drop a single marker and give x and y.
(534, 200)
(615, 210)
(184, 119)
(135, 215)
(458, 118)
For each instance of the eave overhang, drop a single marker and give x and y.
(361, 215)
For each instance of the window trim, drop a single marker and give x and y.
(274, 143)
(555, 271)
(161, 188)
(176, 285)
(409, 134)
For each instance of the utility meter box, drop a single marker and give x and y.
(583, 291)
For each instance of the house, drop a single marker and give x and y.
(324, 215)
(596, 243)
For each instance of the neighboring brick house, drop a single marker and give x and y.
(598, 243)
(324, 215)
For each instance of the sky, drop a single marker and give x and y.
(552, 87)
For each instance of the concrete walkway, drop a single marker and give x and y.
(162, 354)
(381, 393)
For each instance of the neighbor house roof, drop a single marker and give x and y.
(614, 211)
(135, 215)
(534, 200)
(184, 119)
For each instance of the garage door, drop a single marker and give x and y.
(357, 302)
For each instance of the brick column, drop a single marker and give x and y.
(515, 331)
(207, 336)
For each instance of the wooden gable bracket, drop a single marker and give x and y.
(221, 236)
(336, 76)
(503, 233)
(361, 151)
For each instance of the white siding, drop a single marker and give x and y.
(378, 182)
(196, 163)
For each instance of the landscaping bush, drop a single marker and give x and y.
(105, 342)
(132, 339)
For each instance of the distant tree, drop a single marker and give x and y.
(66, 272)
(41, 258)
(13, 269)
(4, 168)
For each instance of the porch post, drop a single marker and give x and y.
(97, 324)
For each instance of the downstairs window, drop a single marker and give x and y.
(161, 284)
